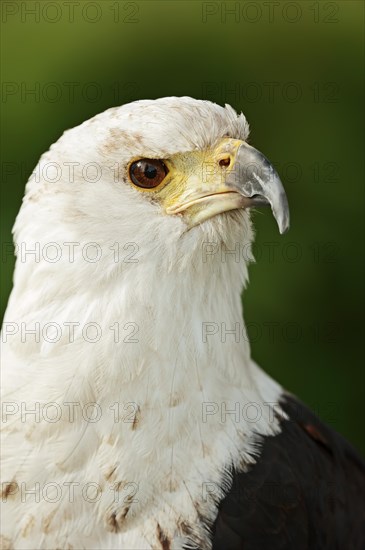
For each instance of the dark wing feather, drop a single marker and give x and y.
(306, 491)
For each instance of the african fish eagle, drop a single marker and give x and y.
(130, 421)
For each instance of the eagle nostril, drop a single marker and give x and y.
(226, 161)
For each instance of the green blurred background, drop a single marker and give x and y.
(295, 70)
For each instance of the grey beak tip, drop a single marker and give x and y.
(283, 220)
(259, 179)
(284, 229)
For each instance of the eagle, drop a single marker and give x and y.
(133, 416)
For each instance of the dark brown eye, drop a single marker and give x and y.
(147, 173)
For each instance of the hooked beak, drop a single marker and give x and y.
(254, 177)
(232, 176)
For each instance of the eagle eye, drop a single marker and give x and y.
(147, 173)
